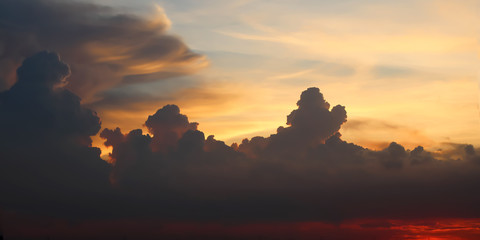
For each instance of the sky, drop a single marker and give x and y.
(407, 68)
(277, 119)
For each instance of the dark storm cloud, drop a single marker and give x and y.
(47, 162)
(104, 48)
(167, 126)
(304, 172)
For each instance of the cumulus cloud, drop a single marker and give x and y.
(46, 152)
(167, 126)
(313, 122)
(105, 48)
(304, 172)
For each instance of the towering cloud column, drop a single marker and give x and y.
(46, 157)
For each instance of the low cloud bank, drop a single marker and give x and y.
(304, 172)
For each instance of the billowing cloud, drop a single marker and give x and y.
(103, 47)
(167, 126)
(47, 162)
(305, 172)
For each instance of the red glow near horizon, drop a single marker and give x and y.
(22, 227)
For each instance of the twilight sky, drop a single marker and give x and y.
(407, 71)
(331, 119)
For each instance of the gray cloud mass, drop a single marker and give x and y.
(304, 172)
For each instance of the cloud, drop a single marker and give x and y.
(370, 133)
(105, 48)
(48, 164)
(167, 126)
(393, 72)
(304, 172)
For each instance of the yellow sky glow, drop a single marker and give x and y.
(413, 72)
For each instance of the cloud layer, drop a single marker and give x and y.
(105, 48)
(304, 172)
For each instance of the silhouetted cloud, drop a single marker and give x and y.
(167, 126)
(304, 172)
(104, 48)
(48, 164)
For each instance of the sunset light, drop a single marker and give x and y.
(239, 119)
